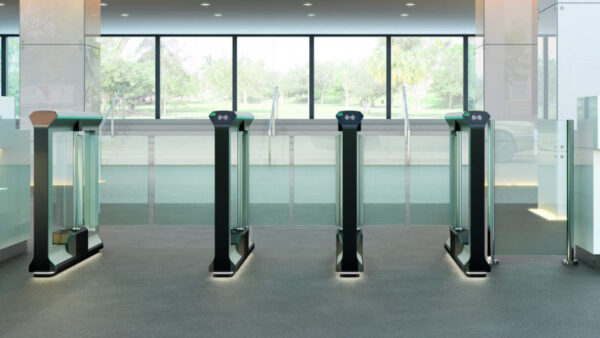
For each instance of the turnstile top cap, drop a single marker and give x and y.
(45, 118)
(349, 118)
(474, 118)
(227, 117)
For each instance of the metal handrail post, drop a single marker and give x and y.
(570, 260)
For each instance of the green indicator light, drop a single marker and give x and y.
(467, 114)
(213, 114)
(340, 114)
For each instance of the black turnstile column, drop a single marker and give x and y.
(349, 237)
(233, 243)
(222, 263)
(478, 261)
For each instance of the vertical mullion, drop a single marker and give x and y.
(465, 73)
(388, 77)
(234, 103)
(3, 72)
(545, 79)
(157, 77)
(311, 77)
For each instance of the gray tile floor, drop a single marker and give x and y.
(153, 282)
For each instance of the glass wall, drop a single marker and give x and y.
(475, 73)
(273, 76)
(128, 77)
(350, 74)
(12, 70)
(124, 176)
(15, 179)
(430, 71)
(195, 76)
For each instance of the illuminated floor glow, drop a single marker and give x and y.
(547, 215)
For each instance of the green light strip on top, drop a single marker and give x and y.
(78, 118)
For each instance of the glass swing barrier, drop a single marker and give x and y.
(66, 190)
(468, 227)
(531, 176)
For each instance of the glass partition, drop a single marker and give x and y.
(269, 179)
(62, 208)
(15, 180)
(428, 176)
(315, 180)
(124, 180)
(530, 187)
(383, 180)
(234, 187)
(184, 178)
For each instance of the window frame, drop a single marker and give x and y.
(311, 37)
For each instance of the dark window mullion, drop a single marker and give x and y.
(234, 75)
(157, 67)
(311, 77)
(388, 77)
(465, 73)
(3, 71)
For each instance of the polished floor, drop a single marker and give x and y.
(153, 282)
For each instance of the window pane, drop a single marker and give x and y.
(195, 76)
(128, 77)
(266, 63)
(350, 74)
(430, 69)
(475, 73)
(12, 70)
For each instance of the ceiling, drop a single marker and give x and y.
(276, 17)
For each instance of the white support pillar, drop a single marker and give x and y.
(509, 44)
(60, 56)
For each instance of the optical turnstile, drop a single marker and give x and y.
(66, 193)
(468, 227)
(349, 238)
(233, 240)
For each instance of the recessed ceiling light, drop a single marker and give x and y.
(311, 14)
(205, 4)
(2, 4)
(218, 14)
(410, 4)
(307, 4)
(124, 15)
(404, 14)
(103, 4)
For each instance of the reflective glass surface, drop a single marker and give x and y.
(273, 76)
(429, 71)
(195, 76)
(350, 75)
(530, 187)
(124, 180)
(61, 201)
(128, 77)
(15, 180)
(315, 180)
